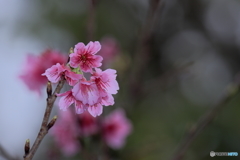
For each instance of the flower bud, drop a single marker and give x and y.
(52, 122)
(71, 50)
(27, 147)
(49, 89)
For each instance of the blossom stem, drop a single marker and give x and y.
(44, 128)
(205, 120)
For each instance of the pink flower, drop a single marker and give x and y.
(84, 56)
(56, 71)
(116, 127)
(88, 124)
(68, 99)
(36, 65)
(105, 81)
(65, 133)
(86, 92)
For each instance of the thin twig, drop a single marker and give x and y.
(91, 20)
(142, 53)
(205, 120)
(44, 128)
(6, 155)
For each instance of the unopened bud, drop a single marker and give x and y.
(71, 50)
(27, 146)
(49, 89)
(52, 122)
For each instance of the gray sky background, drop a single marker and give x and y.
(20, 109)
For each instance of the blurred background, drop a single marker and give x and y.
(174, 59)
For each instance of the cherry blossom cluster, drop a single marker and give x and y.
(69, 130)
(87, 95)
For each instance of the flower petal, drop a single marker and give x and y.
(86, 92)
(95, 110)
(79, 107)
(66, 100)
(93, 47)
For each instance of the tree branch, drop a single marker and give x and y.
(44, 127)
(142, 52)
(206, 119)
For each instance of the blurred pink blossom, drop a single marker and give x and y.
(65, 133)
(84, 56)
(88, 124)
(109, 50)
(116, 127)
(36, 65)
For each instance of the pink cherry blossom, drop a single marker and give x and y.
(65, 132)
(68, 99)
(105, 81)
(86, 92)
(84, 56)
(54, 73)
(88, 124)
(116, 127)
(36, 65)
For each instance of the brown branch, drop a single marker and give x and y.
(91, 20)
(205, 120)
(6, 155)
(44, 127)
(143, 48)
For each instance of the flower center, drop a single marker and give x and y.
(83, 58)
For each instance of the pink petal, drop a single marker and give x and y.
(97, 61)
(66, 100)
(54, 73)
(106, 81)
(93, 47)
(86, 92)
(72, 78)
(107, 100)
(74, 60)
(95, 110)
(92, 61)
(79, 48)
(79, 107)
